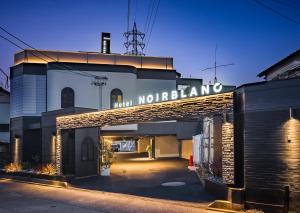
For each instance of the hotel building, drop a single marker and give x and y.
(62, 103)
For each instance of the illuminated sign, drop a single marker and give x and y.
(173, 95)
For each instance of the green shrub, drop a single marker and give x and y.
(26, 165)
(47, 169)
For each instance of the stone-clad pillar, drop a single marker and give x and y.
(228, 150)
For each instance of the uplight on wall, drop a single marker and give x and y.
(16, 149)
(53, 147)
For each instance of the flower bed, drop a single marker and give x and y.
(25, 170)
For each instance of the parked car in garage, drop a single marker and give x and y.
(115, 147)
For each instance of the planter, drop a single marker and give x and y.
(105, 171)
(150, 154)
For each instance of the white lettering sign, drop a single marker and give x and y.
(173, 95)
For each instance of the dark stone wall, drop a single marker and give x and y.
(271, 141)
(48, 123)
(28, 130)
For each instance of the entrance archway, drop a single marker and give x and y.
(192, 108)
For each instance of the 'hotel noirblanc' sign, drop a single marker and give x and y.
(173, 95)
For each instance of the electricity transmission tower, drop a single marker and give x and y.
(136, 41)
(217, 66)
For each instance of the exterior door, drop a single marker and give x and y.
(68, 152)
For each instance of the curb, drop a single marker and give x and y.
(37, 181)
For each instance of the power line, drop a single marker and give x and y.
(30, 46)
(277, 12)
(152, 24)
(148, 13)
(60, 65)
(285, 3)
(150, 16)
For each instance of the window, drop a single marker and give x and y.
(67, 97)
(87, 150)
(116, 96)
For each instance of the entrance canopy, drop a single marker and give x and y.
(189, 108)
(170, 110)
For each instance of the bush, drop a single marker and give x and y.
(107, 156)
(26, 166)
(48, 169)
(13, 167)
(254, 211)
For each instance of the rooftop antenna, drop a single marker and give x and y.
(217, 66)
(135, 41)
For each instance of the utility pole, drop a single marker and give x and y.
(99, 81)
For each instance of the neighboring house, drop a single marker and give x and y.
(289, 67)
(4, 126)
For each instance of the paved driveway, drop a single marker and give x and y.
(137, 175)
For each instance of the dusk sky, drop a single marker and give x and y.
(247, 34)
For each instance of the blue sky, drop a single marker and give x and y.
(247, 34)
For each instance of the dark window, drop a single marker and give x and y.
(67, 97)
(116, 96)
(87, 150)
(4, 128)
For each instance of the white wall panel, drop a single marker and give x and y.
(28, 95)
(87, 95)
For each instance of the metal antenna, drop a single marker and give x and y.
(216, 66)
(135, 43)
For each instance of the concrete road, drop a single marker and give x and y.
(135, 175)
(24, 197)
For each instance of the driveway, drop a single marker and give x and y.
(134, 174)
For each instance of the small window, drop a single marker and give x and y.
(116, 96)
(87, 150)
(67, 97)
